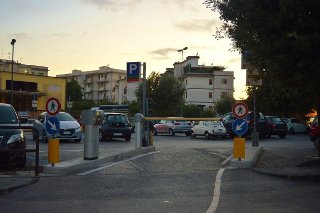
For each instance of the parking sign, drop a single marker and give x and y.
(133, 71)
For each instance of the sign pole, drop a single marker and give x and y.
(255, 136)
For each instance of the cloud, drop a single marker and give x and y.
(113, 5)
(163, 52)
(198, 25)
(20, 36)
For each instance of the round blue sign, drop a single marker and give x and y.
(240, 126)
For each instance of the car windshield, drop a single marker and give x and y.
(116, 119)
(7, 115)
(64, 117)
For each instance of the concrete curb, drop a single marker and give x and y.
(253, 154)
(18, 184)
(79, 164)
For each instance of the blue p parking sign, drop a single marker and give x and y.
(133, 71)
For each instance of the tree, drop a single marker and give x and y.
(191, 111)
(282, 38)
(165, 94)
(224, 104)
(74, 91)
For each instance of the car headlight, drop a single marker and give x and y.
(78, 129)
(15, 138)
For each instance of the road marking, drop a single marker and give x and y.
(216, 193)
(116, 163)
(226, 160)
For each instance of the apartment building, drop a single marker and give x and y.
(106, 84)
(204, 84)
(6, 66)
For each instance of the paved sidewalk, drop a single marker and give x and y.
(10, 180)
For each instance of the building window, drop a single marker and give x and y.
(210, 81)
(223, 81)
(125, 90)
(210, 94)
(186, 82)
(119, 77)
(186, 94)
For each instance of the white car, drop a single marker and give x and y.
(296, 126)
(209, 129)
(69, 127)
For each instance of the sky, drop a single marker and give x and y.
(64, 35)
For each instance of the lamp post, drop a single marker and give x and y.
(181, 50)
(13, 41)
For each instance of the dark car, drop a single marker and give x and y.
(11, 139)
(115, 125)
(315, 133)
(261, 124)
(276, 126)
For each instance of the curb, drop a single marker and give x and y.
(65, 168)
(252, 156)
(6, 190)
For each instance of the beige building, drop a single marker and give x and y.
(204, 84)
(6, 65)
(106, 84)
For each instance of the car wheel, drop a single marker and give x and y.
(77, 140)
(192, 135)
(206, 135)
(21, 162)
(308, 130)
(291, 131)
(127, 138)
(282, 136)
(44, 138)
(188, 134)
(155, 133)
(171, 132)
(101, 138)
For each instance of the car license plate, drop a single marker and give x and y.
(67, 132)
(117, 134)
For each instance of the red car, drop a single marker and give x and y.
(315, 133)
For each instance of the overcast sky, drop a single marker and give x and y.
(86, 34)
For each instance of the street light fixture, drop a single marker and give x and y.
(181, 50)
(13, 41)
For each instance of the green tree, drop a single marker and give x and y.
(224, 105)
(282, 39)
(191, 111)
(165, 94)
(74, 91)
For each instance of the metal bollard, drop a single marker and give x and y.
(138, 119)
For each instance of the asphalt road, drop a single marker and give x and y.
(179, 177)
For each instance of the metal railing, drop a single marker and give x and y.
(36, 150)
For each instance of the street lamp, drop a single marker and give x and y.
(181, 50)
(13, 41)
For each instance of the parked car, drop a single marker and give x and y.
(315, 132)
(296, 126)
(11, 139)
(276, 126)
(69, 127)
(261, 124)
(209, 129)
(173, 127)
(115, 125)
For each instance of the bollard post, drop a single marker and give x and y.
(138, 118)
(53, 151)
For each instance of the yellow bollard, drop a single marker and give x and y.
(151, 138)
(239, 148)
(53, 151)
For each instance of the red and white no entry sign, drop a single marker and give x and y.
(53, 106)
(240, 110)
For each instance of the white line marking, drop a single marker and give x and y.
(116, 163)
(226, 160)
(216, 194)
